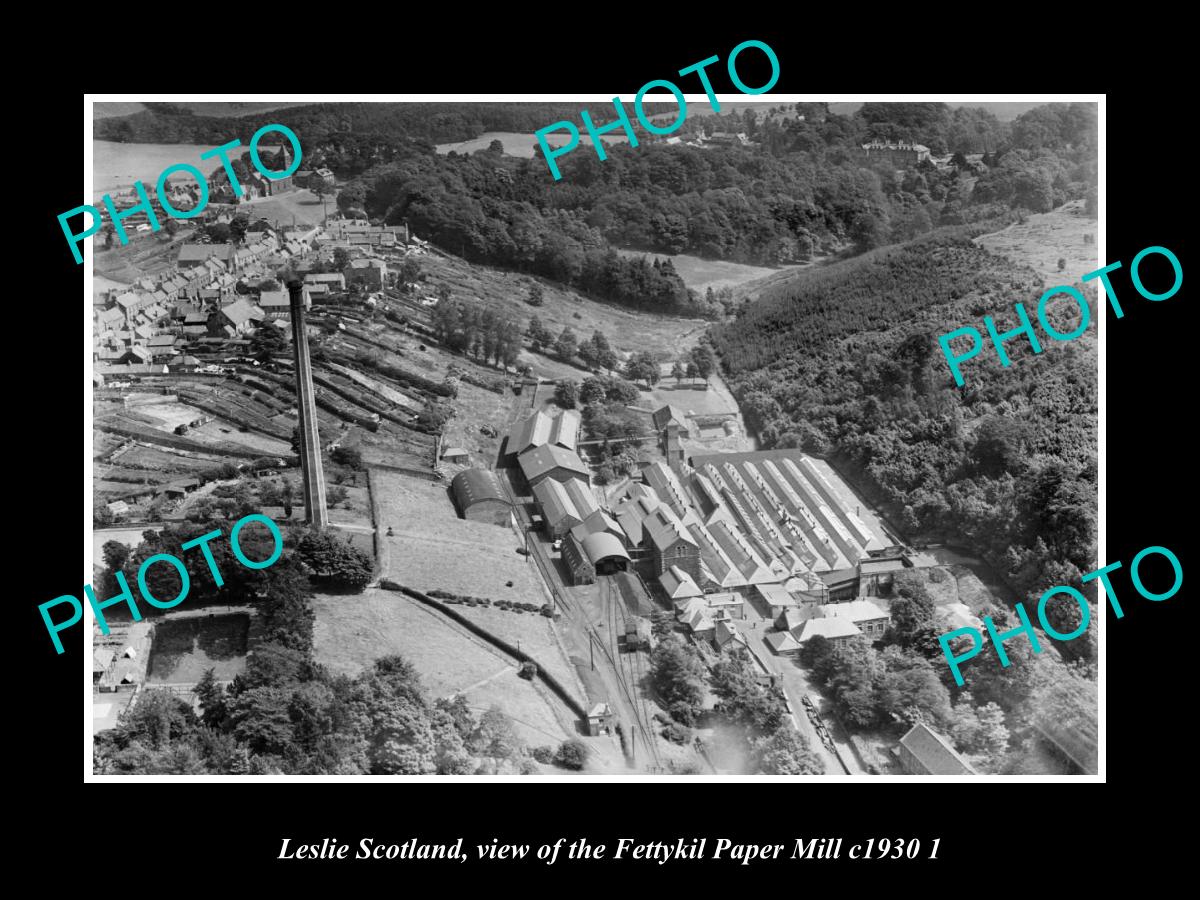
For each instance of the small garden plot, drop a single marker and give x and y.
(184, 649)
(170, 414)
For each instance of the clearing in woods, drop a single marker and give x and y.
(1043, 239)
(628, 330)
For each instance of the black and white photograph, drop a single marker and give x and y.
(527, 438)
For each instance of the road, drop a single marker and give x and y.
(795, 686)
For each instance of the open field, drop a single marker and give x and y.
(627, 330)
(301, 205)
(518, 144)
(1042, 239)
(691, 398)
(116, 165)
(433, 548)
(109, 109)
(701, 274)
(352, 632)
(217, 430)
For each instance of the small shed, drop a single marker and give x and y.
(599, 720)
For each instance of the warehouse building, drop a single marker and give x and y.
(554, 462)
(540, 429)
(564, 504)
(479, 497)
(597, 554)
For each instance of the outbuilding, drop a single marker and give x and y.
(479, 497)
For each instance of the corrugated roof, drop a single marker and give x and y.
(472, 486)
(557, 505)
(934, 753)
(529, 433)
(603, 545)
(598, 521)
(581, 495)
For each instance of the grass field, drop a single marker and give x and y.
(627, 330)
(110, 109)
(1041, 240)
(701, 274)
(352, 632)
(302, 205)
(433, 548)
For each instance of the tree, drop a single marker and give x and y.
(496, 147)
(979, 730)
(267, 342)
(642, 367)
(744, 701)
(597, 353)
(566, 393)
(787, 752)
(337, 562)
(410, 270)
(592, 391)
(565, 347)
(218, 232)
(677, 371)
(912, 612)
(536, 294)
(212, 699)
(495, 736)
(350, 457)
(706, 362)
(116, 554)
(351, 197)
(571, 754)
(539, 336)
(341, 258)
(109, 231)
(158, 718)
(286, 497)
(677, 673)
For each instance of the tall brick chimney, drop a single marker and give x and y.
(315, 511)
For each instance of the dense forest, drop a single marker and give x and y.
(800, 188)
(356, 123)
(843, 361)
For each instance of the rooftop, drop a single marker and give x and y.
(933, 752)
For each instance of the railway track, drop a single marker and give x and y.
(643, 720)
(614, 613)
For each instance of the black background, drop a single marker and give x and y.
(991, 833)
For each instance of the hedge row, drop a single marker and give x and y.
(450, 597)
(545, 677)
